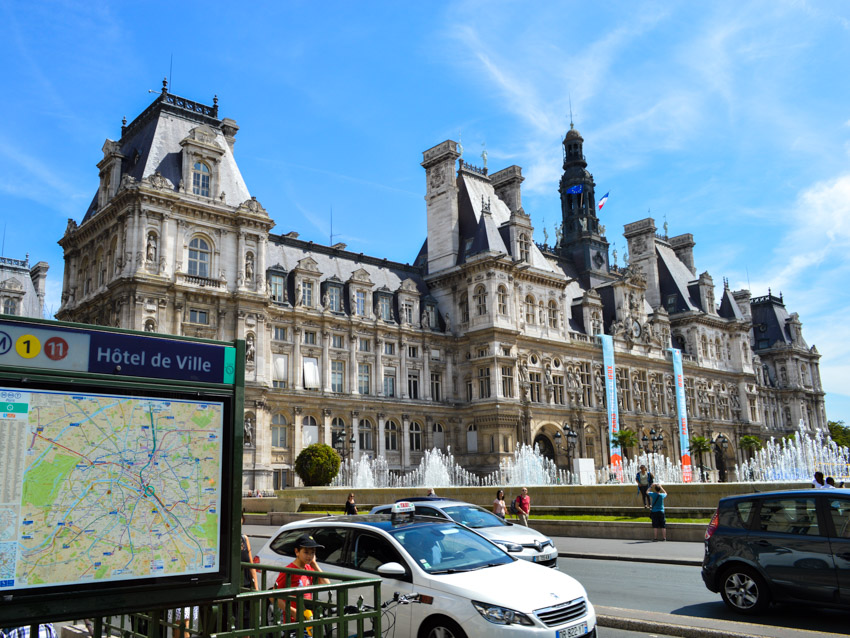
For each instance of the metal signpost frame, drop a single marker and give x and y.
(62, 369)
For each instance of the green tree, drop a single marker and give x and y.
(626, 439)
(750, 444)
(317, 464)
(839, 432)
(699, 446)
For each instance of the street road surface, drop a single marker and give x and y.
(679, 590)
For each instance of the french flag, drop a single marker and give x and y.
(603, 200)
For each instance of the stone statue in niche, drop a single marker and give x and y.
(249, 431)
(150, 253)
(249, 267)
(250, 350)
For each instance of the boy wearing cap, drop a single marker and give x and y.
(305, 558)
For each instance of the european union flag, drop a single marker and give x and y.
(575, 190)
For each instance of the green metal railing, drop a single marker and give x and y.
(260, 614)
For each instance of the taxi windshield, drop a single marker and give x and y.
(449, 549)
(473, 516)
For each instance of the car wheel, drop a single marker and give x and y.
(744, 591)
(440, 627)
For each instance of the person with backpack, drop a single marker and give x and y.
(522, 503)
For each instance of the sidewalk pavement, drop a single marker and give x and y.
(668, 552)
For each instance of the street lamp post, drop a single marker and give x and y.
(571, 437)
(340, 446)
(721, 444)
(656, 441)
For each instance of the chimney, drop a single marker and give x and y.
(442, 206)
(683, 246)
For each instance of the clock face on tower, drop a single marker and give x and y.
(635, 328)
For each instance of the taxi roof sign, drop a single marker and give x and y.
(402, 507)
(403, 511)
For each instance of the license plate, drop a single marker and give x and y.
(575, 630)
(542, 558)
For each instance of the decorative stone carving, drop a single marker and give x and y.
(159, 182)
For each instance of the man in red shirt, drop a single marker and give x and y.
(305, 558)
(523, 502)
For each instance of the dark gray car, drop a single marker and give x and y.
(789, 546)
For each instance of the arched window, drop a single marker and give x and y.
(472, 439)
(199, 257)
(553, 314)
(201, 179)
(464, 308)
(308, 420)
(529, 310)
(502, 298)
(480, 300)
(278, 430)
(10, 307)
(391, 436)
(415, 437)
(364, 434)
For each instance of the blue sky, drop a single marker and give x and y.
(731, 120)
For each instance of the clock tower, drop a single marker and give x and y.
(583, 237)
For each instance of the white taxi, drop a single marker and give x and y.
(469, 587)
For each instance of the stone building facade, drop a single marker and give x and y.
(22, 287)
(486, 341)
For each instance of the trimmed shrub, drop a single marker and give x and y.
(317, 464)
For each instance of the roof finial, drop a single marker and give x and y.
(571, 112)
(164, 86)
(484, 154)
(460, 143)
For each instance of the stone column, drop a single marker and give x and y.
(426, 372)
(402, 367)
(326, 362)
(297, 438)
(297, 365)
(380, 446)
(260, 270)
(405, 441)
(352, 368)
(326, 437)
(379, 367)
(240, 259)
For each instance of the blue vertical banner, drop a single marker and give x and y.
(682, 413)
(611, 397)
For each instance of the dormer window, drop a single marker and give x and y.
(307, 293)
(201, 179)
(335, 298)
(385, 308)
(199, 258)
(524, 247)
(407, 311)
(360, 302)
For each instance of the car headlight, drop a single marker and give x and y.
(501, 615)
(510, 547)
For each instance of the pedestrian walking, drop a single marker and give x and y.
(499, 507)
(523, 504)
(350, 506)
(656, 513)
(644, 481)
(818, 483)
